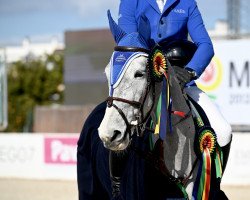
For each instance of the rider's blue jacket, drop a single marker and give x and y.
(178, 19)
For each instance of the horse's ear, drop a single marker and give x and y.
(116, 31)
(144, 30)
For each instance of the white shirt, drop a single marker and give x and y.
(161, 4)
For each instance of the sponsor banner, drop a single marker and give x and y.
(24, 156)
(227, 80)
(38, 156)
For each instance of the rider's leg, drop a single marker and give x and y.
(221, 127)
(117, 163)
(225, 151)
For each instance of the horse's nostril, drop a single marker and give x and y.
(116, 134)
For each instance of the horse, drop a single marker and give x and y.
(155, 167)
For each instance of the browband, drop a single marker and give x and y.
(131, 49)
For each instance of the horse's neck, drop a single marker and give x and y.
(179, 148)
(179, 145)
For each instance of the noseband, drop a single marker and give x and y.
(141, 120)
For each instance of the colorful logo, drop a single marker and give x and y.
(212, 76)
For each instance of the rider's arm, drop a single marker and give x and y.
(126, 18)
(200, 37)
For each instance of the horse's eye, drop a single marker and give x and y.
(139, 74)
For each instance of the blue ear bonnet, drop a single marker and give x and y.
(120, 60)
(119, 63)
(133, 40)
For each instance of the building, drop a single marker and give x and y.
(220, 31)
(29, 50)
(86, 55)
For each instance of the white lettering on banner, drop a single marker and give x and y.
(60, 150)
(63, 152)
(13, 154)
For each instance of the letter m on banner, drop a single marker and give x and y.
(3, 92)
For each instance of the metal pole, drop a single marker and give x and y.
(3, 93)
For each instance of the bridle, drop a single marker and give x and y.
(141, 119)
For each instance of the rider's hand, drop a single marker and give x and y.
(184, 75)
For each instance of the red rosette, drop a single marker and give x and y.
(157, 62)
(206, 138)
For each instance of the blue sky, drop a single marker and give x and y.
(40, 20)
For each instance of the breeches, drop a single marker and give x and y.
(221, 127)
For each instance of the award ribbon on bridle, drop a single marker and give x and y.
(158, 71)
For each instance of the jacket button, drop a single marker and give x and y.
(162, 22)
(159, 35)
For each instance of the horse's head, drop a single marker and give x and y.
(125, 101)
(130, 94)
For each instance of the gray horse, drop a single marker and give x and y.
(170, 163)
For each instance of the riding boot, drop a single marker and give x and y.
(225, 151)
(117, 163)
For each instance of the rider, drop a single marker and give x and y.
(175, 19)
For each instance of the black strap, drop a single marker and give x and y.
(131, 49)
(135, 104)
(128, 130)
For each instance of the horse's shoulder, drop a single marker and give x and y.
(91, 125)
(96, 116)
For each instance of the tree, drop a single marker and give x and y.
(30, 83)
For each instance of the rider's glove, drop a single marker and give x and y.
(184, 75)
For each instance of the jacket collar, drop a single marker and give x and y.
(168, 4)
(154, 5)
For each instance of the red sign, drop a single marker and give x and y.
(60, 150)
